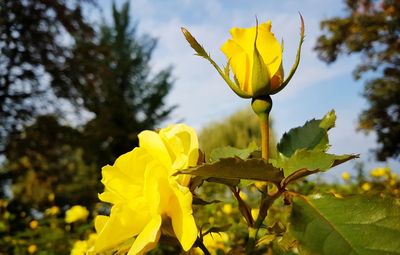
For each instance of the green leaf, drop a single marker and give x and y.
(313, 135)
(355, 225)
(231, 152)
(310, 160)
(236, 168)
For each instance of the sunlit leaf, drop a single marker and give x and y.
(355, 225)
(312, 135)
(310, 160)
(230, 152)
(236, 168)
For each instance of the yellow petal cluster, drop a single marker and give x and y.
(255, 56)
(146, 199)
(82, 247)
(380, 172)
(76, 213)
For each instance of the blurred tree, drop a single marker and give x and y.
(237, 130)
(109, 76)
(372, 29)
(45, 162)
(32, 53)
(118, 87)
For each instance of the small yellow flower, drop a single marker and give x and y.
(346, 176)
(146, 198)
(51, 197)
(254, 213)
(84, 247)
(366, 186)
(76, 213)
(259, 184)
(52, 211)
(243, 195)
(211, 220)
(34, 224)
(380, 172)
(227, 209)
(32, 248)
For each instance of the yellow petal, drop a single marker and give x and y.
(148, 238)
(122, 224)
(183, 146)
(240, 52)
(153, 144)
(181, 216)
(270, 50)
(118, 185)
(99, 222)
(181, 140)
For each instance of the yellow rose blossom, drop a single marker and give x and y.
(380, 172)
(147, 200)
(346, 176)
(76, 213)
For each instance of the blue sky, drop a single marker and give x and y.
(202, 96)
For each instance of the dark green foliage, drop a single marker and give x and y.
(119, 90)
(371, 29)
(30, 51)
(47, 158)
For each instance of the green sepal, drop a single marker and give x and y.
(260, 80)
(200, 51)
(296, 62)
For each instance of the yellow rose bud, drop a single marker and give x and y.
(256, 59)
